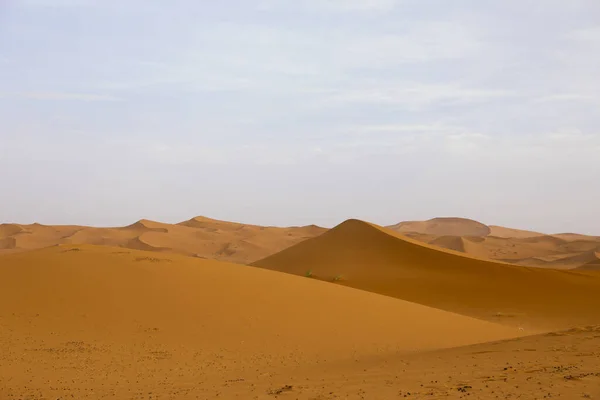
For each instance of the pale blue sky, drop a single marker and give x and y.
(297, 112)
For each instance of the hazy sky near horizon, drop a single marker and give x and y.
(298, 112)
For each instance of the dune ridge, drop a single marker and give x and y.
(198, 237)
(209, 238)
(376, 259)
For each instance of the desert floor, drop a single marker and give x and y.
(358, 312)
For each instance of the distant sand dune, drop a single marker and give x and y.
(244, 243)
(446, 226)
(199, 237)
(500, 243)
(10, 229)
(503, 232)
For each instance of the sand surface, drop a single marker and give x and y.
(99, 321)
(199, 237)
(374, 314)
(515, 246)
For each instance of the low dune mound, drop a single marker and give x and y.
(559, 261)
(376, 259)
(447, 226)
(576, 237)
(36, 236)
(10, 230)
(159, 304)
(593, 264)
(579, 246)
(205, 222)
(102, 236)
(145, 225)
(547, 240)
(503, 232)
(455, 243)
(140, 243)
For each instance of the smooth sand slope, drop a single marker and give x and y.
(89, 320)
(199, 237)
(376, 259)
(565, 250)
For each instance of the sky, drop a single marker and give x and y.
(301, 112)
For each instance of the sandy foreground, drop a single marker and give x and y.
(86, 321)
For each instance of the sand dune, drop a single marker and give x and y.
(502, 244)
(447, 226)
(199, 237)
(87, 322)
(90, 314)
(364, 256)
(576, 237)
(593, 264)
(503, 232)
(241, 243)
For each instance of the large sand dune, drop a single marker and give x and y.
(75, 316)
(199, 237)
(365, 256)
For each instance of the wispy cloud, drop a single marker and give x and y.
(565, 97)
(416, 97)
(590, 35)
(57, 3)
(334, 5)
(62, 96)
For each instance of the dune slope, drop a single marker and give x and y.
(101, 315)
(219, 304)
(376, 259)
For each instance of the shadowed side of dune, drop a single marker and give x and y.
(372, 258)
(10, 229)
(8, 243)
(145, 225)
(139, 243)
(593, 264)
(455, 243)
(503, 232)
